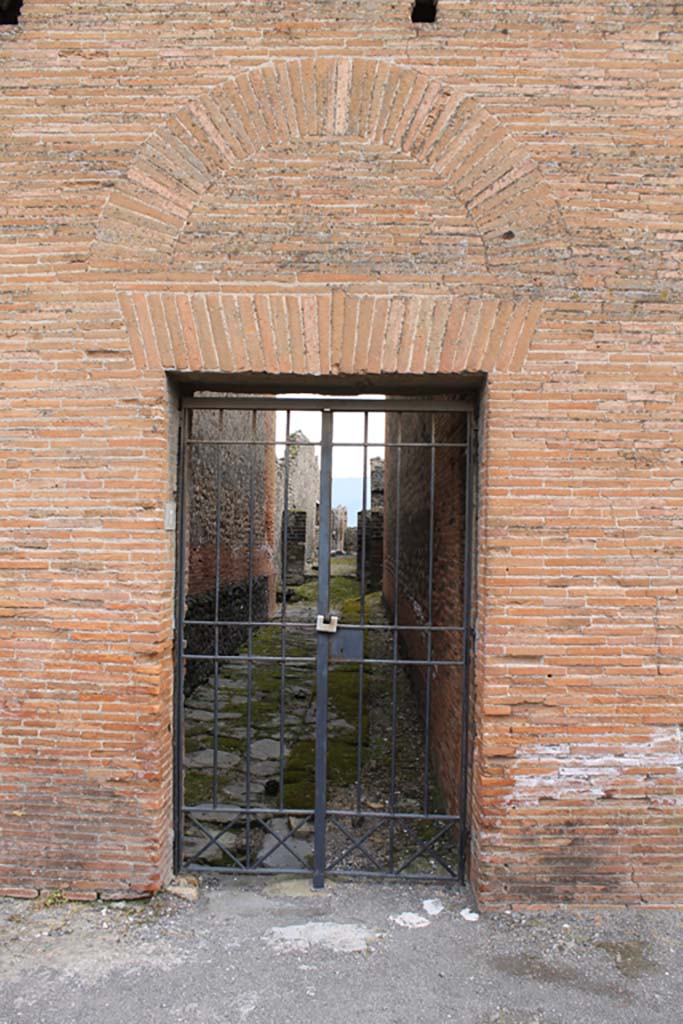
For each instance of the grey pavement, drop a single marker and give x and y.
(272, 950)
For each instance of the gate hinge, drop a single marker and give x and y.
(169, 516)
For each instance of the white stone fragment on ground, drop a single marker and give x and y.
(432, 907)
(340, 938)
(469, 915)
(410, 920)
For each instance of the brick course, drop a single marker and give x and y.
(528, 158)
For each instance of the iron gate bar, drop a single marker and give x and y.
(355, 845)
(394, 680)
(430, 608)
(200, 442)
(311, 660)
(426, 846)
(281, 841)
(250, 638)
(283, 614)
(361, 616)
(179, 651)
(331, 404)
(323, 652)
(244, 658)
(399, 815)
(215, 840)
(311, 625)
(400, 871)
(469, 636)
(216, 609)
(302, 811)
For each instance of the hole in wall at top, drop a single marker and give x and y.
(9, 11)
(424, 11)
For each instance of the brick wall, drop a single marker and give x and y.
(409, 510)
(496, 194)
(370, 532)
(230, 467)
(241, 468)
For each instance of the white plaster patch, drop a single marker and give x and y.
(409, 920)
(432, 907)
(469, 915)
(340, 938)
(588, 771)
(95, 962)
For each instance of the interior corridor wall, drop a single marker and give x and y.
(424, 503)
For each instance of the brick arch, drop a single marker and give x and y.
(283, 101)
(329, 333)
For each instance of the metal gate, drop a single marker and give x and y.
(323, 635)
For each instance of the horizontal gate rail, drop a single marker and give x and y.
(294, 659)
(209, 442)
(329, 404)
(277, 624)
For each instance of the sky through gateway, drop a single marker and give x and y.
(347, 462)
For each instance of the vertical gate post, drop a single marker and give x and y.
(323, 650)
(178, 694)
(468, 637)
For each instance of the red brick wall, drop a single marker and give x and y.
(239, 463)
(528, 158)
(408, 508)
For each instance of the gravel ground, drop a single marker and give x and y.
(262, 950)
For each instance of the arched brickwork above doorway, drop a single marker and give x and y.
(326, 334)
(286, 101)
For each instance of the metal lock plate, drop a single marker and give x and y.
(347, 644)
(327, 627)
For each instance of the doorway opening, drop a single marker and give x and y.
(323, 635)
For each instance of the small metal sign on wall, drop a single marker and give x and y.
(323, 636)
